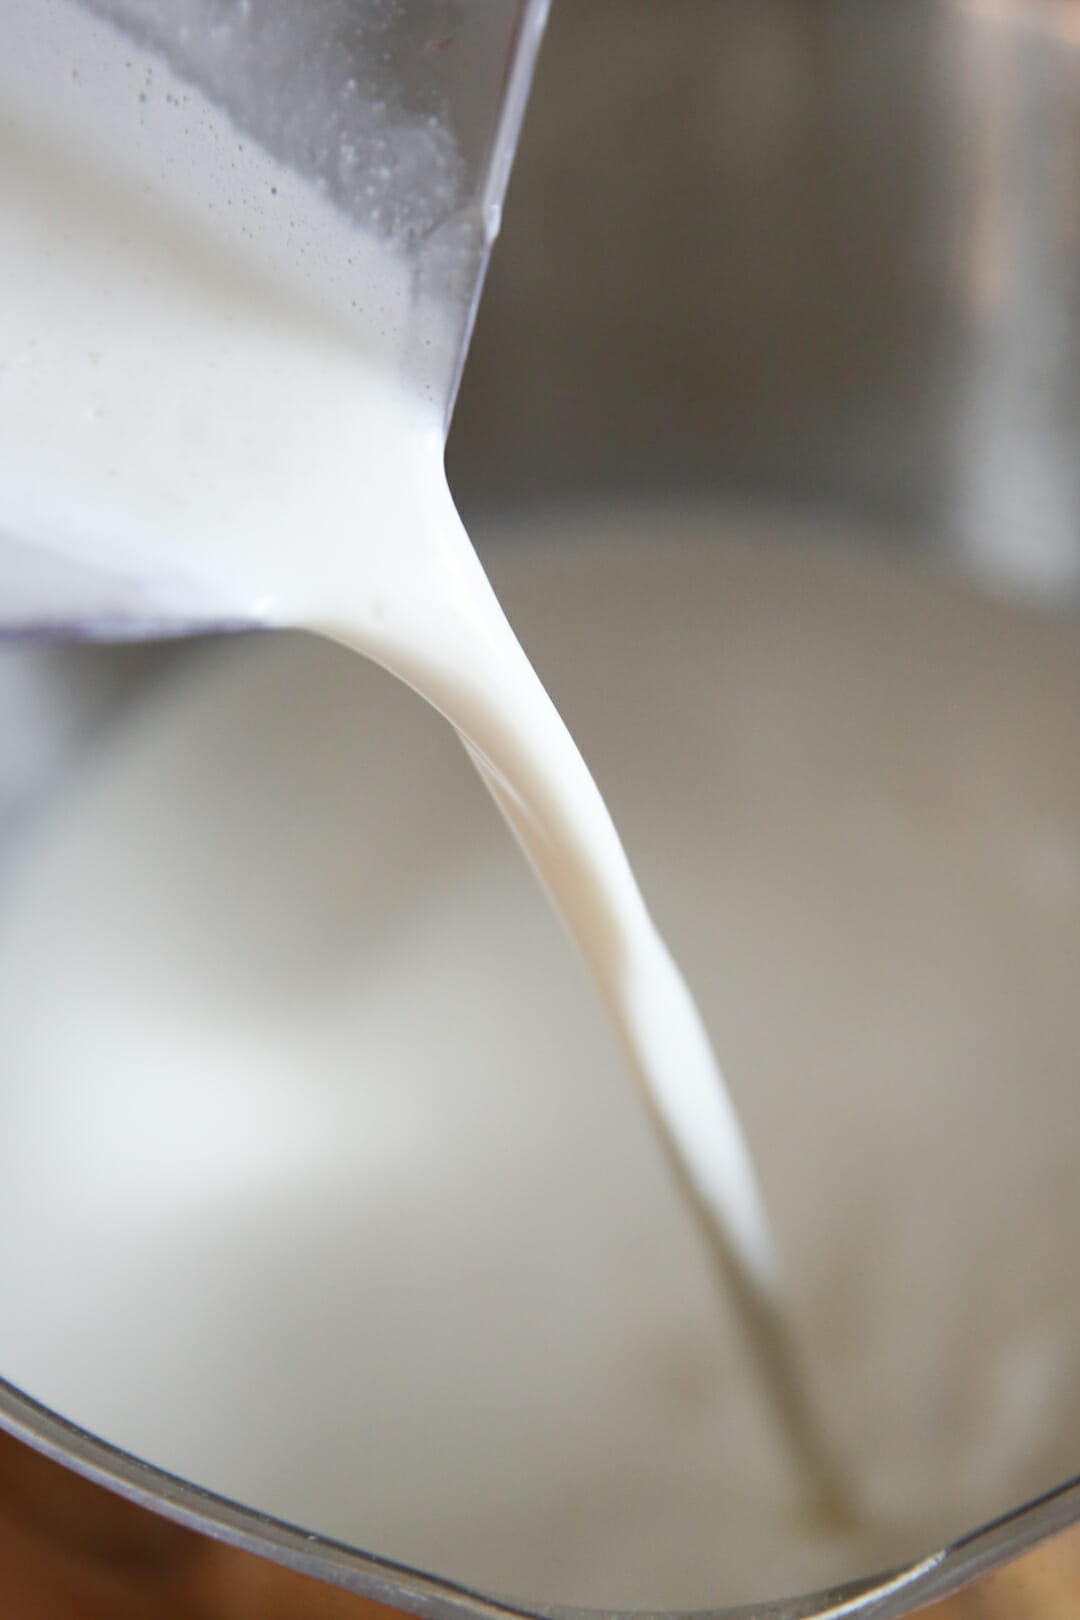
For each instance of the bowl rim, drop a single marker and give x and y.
(884, 1596)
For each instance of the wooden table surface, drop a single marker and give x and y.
(72, 1551)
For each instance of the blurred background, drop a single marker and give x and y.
(817, 250)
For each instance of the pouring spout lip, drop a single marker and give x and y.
(107, 629)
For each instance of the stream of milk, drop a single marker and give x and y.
(183, 420)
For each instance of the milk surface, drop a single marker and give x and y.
(319, 1149)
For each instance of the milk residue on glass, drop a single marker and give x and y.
(180, 416)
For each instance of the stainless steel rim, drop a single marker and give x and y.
(879, 1597)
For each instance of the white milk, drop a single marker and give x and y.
(320, 1179)
(218, 1115)
(176, 417)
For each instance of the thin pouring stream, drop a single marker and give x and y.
(485, 686)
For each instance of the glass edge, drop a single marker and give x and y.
(521, 64)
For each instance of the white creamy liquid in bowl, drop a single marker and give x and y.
(322, 1184)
